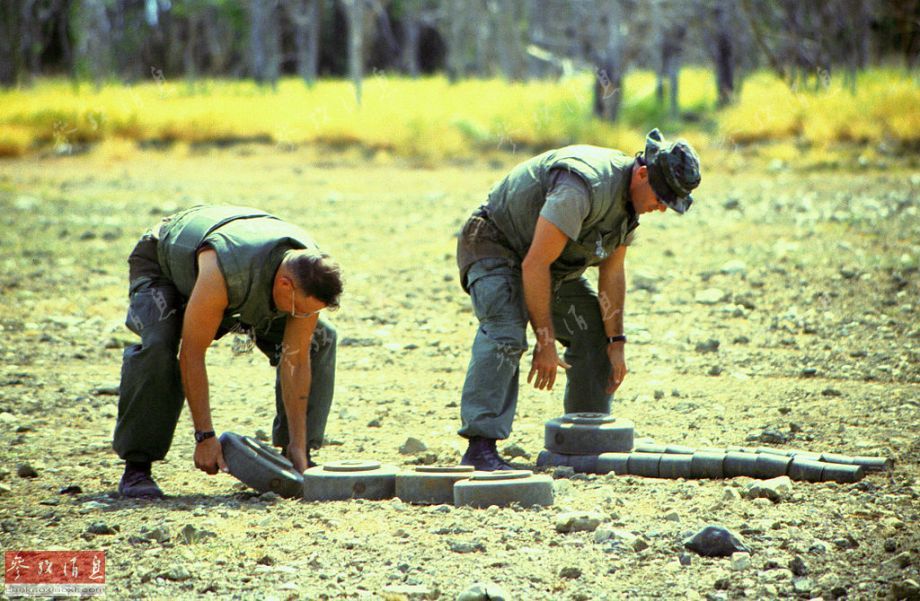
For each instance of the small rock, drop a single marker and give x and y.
(410, 592)
(413, 446)
(4, 473)
(5, 490)
(831, 392)
(659, 394)
(845, 543)
(463, 546)
(515, 451)
(731, 494)
(639, 545)
(176, 574)
(772, 436)
(803, 585)
(741, 561)
(159, 534)
(710, 296)
(908, 589)
(733, 267)
(900, 561)
(101, 528)
(570, 572)
(269, 497)
(191, 535)
(266, 560)
(106, 390)
(809, 372)
(578, 521)
(707, 346)
(71, 489)
(716, 541)
(563, 471)
(775, 489)
(891, 545)
(24, 470)
(672, 516)
(685, 559)
(818, 548)
(798, 567)
(484, 591)
(374, 423)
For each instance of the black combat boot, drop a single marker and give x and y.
(137, 483)
(483, 455)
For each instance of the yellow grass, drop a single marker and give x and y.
(432, 119)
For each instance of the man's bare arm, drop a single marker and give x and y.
(548, 243)
(296, 379)
(611, 285)
(203, 315)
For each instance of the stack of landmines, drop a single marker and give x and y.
(585, 449)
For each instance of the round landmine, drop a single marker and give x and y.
(649, 447)
(259, 466)
(771, 466)
(836, 458)
(349, 479)
(675, 466)
(502, 488)
(615, 463)
(806, 455)
(772, 451)
(431, 485)
(739, 463)
(873, 464)
(644, 464)
(707, 465)
(676, 449)
(806, 470)
(842, 473)
(588, 434)
(583, 464)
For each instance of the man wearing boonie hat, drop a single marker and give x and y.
(522, 257)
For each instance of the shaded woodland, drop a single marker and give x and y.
(134, 40)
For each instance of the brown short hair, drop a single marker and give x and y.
(318, 276)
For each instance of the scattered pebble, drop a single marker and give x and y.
(570, 572)
(24, 470)
(707, 346)
(798, 567)
(716, 541)
(463, 546)
(740, 561)
(101, 528)
(515, 451)
(774, 489)
(710, 296)
(484, 591)
(578, 521)
(412, 446)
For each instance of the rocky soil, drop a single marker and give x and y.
(781, 311)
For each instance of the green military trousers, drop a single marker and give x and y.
(490, 391)
(151, 395)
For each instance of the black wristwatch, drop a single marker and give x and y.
(612, 339)
(203, 436)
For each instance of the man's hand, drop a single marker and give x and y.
(617, 356)
(298, 457)
(209, 458)
(545, 363)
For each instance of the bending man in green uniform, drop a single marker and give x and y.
(203, 273)
(522, 256)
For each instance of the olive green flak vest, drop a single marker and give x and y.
(515, 202)
(250, 245)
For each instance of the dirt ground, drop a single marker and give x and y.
(815, 313)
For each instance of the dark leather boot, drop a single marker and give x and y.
(137, 483)
(483, 455)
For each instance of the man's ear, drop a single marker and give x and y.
(642, 172)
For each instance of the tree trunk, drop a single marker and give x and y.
(411, 30)
(455, 46)
(723, 52)
(94, 35)
(355, 12)
(9, 34)
(188, 58)
(305, 15)
(608, 84)
(263, 42)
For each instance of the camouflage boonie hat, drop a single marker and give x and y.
(673, 170)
